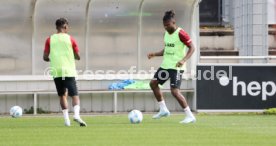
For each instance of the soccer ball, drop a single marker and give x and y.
(16, 111)
(135, 117)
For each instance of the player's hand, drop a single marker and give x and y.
(150, 55)
(180, 63)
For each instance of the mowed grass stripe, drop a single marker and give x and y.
(117, 131)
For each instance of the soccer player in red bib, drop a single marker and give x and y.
(61, 50)
(178, 49)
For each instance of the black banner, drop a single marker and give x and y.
(236, 87)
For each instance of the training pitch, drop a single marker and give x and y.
(115, 130)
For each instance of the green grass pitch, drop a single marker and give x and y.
(115, 130)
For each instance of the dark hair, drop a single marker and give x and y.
(61, 22)
(169, 15)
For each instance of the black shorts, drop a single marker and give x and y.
(162, 75)
(66, 83)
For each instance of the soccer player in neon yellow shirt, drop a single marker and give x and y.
(175, 55)
(61, 50)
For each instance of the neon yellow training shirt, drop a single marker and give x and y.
(62, 60)
(175, 50)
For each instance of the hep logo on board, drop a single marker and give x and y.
(254, 88)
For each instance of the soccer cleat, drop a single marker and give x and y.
(67, 123)
(81, 122)
(188, 120)
(161, 114)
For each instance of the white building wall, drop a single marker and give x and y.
(271, 6)
(251, 27)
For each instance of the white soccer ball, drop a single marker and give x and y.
(16, 111)
(135, 117)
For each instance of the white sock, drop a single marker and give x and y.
(77, 111)
(163, 106)
(66, 114)
(188, 112)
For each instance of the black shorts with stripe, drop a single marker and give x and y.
(175, 76)
(64, 84)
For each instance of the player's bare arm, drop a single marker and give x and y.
(188, 56)
(46, 57)
(77, 56)
(160, 53)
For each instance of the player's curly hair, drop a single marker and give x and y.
(61, 22)
(169, 15)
